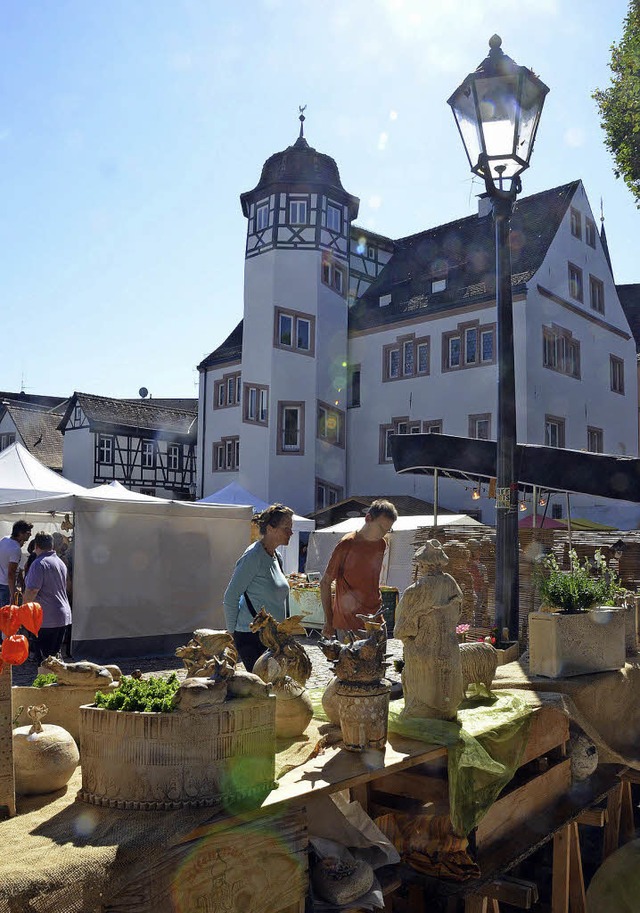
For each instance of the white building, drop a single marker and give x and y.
(348, 337)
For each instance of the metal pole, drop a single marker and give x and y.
(507, 607)
(435, 498)
(535, 506)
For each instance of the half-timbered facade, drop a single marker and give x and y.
(147, 446)
(349, 337)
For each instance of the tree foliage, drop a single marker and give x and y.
(619, 105)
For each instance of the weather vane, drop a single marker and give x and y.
(301, 118)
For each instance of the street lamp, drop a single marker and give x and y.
(497, 110)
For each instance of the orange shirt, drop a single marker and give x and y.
(355, 565)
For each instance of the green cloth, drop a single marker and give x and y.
(484, 745)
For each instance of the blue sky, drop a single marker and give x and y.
(129, 128)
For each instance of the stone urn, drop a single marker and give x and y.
(44, 756)
(364, 710)
(293, 708)
(330, 701)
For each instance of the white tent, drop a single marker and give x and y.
(23, 477)
(146, 572)
(236, 494)
(398, 566)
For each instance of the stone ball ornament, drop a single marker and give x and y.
(45, 756)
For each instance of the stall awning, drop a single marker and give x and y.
(553, 468)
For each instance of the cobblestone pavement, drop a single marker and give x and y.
(165, 665)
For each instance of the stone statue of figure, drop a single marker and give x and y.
(426, 619)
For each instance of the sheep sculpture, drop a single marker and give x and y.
(479, 664)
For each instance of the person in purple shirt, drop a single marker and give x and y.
(46, 583)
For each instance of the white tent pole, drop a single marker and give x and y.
(535, 506)
(435, 497)
(569, 519)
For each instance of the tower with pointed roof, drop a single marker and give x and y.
(278, 418)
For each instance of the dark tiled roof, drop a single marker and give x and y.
(32, 400)
(186, 404)
(357, 231)
(406, 505)
(629, 296)
(230, 350)
(39, 431)
(464, 253)
(104, 413)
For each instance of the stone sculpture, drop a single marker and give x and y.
(361, 691)
(426, 619)
(199, 653)
(45, 756)
(82, 673)
(283, 654)
(479, 664)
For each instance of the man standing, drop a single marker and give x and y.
(46, 583)
(355, 566)
(10, 555)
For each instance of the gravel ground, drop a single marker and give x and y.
(164, 665)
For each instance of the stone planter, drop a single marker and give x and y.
(224, 758)
(364, 712)
(63, 703)
(564, 645)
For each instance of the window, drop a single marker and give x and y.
(334, 218)
(590, 232)
(560, 351)
(596, 294)
(6, 440)
(467, 346)
(438, 285)
(371, 252)
(290, 428)
(327, 494)
(148, 454)
(406, 357)
(226, 454)
(397, 426)
(576, 223)
(226, 391)
(353, 386)
(553, 431)
(298, 212)
(262, 216)
(330, 424)
(77, 415)
(333, 276)
(385, 300)
(575, 282)
(174, 454)
(256, 404)
(433, 426)
(480, 426)
(595, 440)
(295, 331)
(105, 449)
(616, 371)
(556, 511)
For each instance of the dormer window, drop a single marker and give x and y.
(298, 212)
(262, 216)
(385, 300)
(438, 285)
(334, 218)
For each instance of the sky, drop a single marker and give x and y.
(129, 129)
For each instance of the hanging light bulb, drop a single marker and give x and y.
(475, 494)
(523, 506)
(542, 501)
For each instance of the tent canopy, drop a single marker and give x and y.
(234, 493)
(404, 523)
(23, 477)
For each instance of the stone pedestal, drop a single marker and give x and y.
(364, 711)
(7, 781)
(563, 645)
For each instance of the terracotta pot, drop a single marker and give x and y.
(330, 702)
(364, 711)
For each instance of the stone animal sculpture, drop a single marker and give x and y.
(361, 660)
(199, 693)
(81, 673)
(198, 654)
(479, 664)
(283, 654)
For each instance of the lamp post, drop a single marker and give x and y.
(497, 110)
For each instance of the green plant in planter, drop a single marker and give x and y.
(49, 678)
(583, 586)
(149, 695)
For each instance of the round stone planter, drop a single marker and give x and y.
(364, 712)
(564, 645)
(44, 761)
(224, 758)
